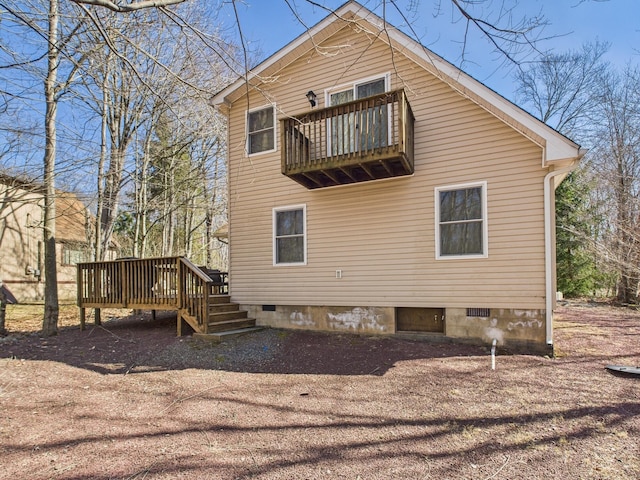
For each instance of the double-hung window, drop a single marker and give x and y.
(261, 132)
(461, 221)
(289, 235)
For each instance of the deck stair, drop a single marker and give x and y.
(224, 315)
(200, 295)
(215, 337)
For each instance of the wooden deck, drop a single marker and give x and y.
(199, 296)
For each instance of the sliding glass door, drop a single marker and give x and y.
(362, 127)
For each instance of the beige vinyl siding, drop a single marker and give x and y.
(382, 234)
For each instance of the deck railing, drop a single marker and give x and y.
(129, 283)
(373, 134)
(168, 283)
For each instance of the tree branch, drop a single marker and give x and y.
(507, 41)
(129, 7)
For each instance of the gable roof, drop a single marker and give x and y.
(557, 149)
(21, 183)
(72, 218)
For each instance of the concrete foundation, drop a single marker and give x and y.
(515, 330)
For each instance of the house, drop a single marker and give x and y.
(22, 236)
(375, 188)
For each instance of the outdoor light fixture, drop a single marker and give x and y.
(312, 98)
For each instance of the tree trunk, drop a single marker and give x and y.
(212, 198)
(99, 253)
(111, 197)
(208, 221)
(51, 308)
(3, 311)
(141, 202)
(168, 215)
(188, 225)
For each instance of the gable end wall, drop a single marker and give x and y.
(380, 234)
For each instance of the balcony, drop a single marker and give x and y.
(366, 139)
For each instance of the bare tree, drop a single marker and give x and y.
(51, 309)
(144, 74)
(560, 88)
(59, 63)
(617, 163)
(125, 100)
(562, 91)
(184, 195)
(43, 21)
(513, 38)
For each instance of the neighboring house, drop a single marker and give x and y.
(22, 236)
(409, 198)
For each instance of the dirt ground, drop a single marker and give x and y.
(130, 400)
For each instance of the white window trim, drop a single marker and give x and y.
(354, 84)
(275, 126)
(302, 207)
(485, 220)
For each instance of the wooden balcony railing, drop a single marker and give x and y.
(366, 139)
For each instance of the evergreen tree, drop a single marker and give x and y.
(575, 262)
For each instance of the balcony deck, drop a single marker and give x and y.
(367, 139)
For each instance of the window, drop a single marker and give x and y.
(261, 132)
(461, 221)
(289, 242)
(73, 254)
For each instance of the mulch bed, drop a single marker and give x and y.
(130, 400)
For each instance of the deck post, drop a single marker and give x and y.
(179, 285)
(82, 318)
(97, 316)
(179, 302)
(79, 289)
(124, 282)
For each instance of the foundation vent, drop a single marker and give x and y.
(479, 312)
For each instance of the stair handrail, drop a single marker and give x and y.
(194, 287)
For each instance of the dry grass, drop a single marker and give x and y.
(27, 318)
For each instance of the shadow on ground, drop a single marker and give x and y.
(140, 344)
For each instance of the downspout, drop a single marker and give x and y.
(549, 250)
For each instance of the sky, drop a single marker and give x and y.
(270, 25)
